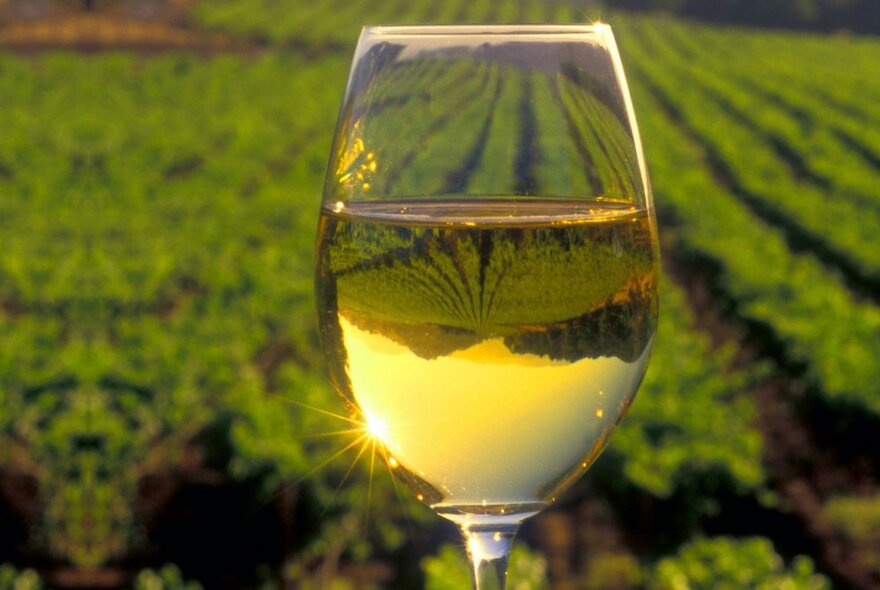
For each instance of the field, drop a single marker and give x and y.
(164, 408)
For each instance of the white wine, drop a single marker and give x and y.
(490, 345)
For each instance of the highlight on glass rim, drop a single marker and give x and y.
(502, 293)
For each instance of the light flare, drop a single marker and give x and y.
(377, 428)
(368, 435)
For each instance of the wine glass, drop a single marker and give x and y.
(487, 264)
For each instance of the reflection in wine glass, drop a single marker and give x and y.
(487, 264)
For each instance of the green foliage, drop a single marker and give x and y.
(13, 579)
(807, 306)
(449, 569)
(170, 290)
(611, 570)
(805, 115)
(723, 563)
(288, 22)
(857, 519)
(858, 516)
(801, 172)
(166, 578)
(692, 416)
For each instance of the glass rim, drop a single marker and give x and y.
(426, 30)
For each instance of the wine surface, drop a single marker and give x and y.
(491, 345)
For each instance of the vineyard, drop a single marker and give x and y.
(166, 419)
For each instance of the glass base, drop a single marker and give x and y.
(488, 515)
(488, 531)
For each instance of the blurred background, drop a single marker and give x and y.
(165, 417)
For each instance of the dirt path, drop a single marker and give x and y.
(28, 26)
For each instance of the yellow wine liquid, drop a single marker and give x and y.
(492, 346)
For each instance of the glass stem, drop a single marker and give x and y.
(489, 550)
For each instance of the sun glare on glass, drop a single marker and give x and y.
(377, 428)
